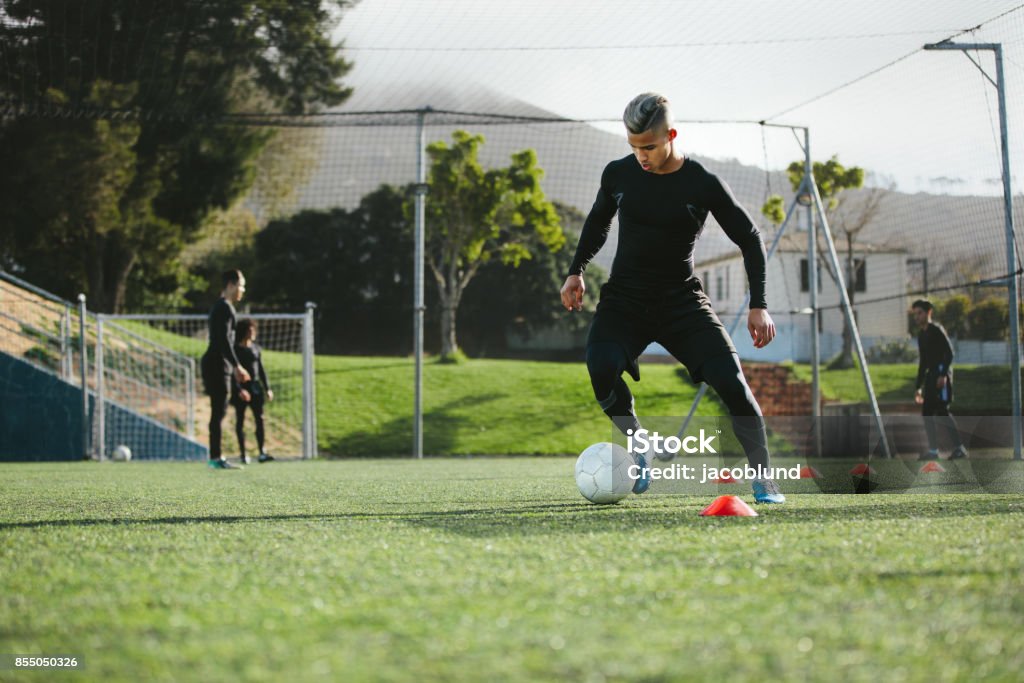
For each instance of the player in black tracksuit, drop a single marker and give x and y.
(220, 363)
(254, 393)
(935, 381)
(663, 200)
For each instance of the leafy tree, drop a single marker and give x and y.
(475, 216)
(504, 300)
(356, 265)
(120, 151)
(951, 313)
(989, 320)
(847, 218)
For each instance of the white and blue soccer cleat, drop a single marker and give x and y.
(643, 480)
(767, 491)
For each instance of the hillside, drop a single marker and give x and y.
(961, 236)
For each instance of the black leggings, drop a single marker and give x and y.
(219, 388)
(257, 415)
(936, 413)
(607, 361)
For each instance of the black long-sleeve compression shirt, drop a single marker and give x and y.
(222, 334)
(936, 353)
(660, 218)
(251, 358)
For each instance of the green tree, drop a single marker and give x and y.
(989, 320)
(120, 151)
(523, 301)
(355, 265)
(848, 219)
(476, 215)
(951, 313)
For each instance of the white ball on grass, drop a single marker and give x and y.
(602, 473)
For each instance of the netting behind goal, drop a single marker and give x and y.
(287, 344)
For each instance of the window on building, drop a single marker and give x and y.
(805, 276)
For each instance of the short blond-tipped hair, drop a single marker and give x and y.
(647, 111)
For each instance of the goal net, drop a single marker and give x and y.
(168, 387)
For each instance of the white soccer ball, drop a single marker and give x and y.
(602, 473)
(122, 453)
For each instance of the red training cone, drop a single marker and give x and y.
(931, 467)
(728, 506)
(862, 469)
(726, 478)
(808, 472)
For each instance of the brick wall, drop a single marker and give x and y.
(777, 391)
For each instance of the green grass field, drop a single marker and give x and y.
(980, 389)
(494, 569)
(498, 407)
(364, 404)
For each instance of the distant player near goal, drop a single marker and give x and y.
(935, 381)
(663, 199)
(220, 364)
(252, 394)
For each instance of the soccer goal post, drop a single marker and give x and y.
(173, 387)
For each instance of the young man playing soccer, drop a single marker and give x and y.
(219, 362)
(935, 381)
(663, 199)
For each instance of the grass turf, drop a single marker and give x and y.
(494, 569)
(499, 407)
(979, 389)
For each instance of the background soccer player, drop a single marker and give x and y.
(219, 362)
(935, 381)
(253, 393)
(663, 199)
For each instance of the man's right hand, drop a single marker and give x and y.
(572, 293)
(919, 397)
(241, 374)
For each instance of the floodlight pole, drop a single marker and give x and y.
(1011, 256)
(417, 306)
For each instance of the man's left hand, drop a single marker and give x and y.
(761, 327)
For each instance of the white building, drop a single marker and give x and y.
(881, 273)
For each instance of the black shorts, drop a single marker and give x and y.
(216, 379)
(679, 318)
(256, 399)
(935, 399)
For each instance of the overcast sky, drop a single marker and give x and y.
(928, 121)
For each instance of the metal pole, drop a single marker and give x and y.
(308, 411)
(418, 306)
(84, 367)
(65, 344)
(848, 311)
(1011, 256)
(190, 399)
(812, 288)
(101, 436)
